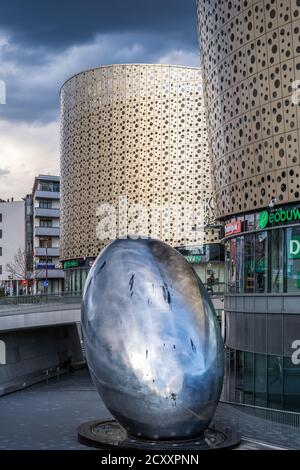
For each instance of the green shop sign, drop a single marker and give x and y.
(194, 258)
(280, 216)
(73, 263)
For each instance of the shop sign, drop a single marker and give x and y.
(73, 263)
(294, 247)
(233, 227)
(194, 258)
(45, 266)
(279, 216)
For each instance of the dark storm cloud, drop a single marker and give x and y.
(42, 43)
(61, 23)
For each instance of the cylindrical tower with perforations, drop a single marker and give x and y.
(251, 67)
(133, 134)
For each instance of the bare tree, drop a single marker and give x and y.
(18, 268)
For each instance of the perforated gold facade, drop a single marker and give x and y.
(251, 57)
(137, 131)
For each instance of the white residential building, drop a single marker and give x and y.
(12, 240)
(48, 274)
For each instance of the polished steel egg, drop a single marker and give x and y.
(152, 340)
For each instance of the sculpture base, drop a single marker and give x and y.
(109, 434)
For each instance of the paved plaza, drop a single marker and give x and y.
(46, 416)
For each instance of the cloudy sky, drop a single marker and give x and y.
(42, 43)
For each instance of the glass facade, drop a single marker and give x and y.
(263, 380)
(208, 262)
(276, 247)
(267, 261)
(75, 279)
(293, 259)
(262, 256)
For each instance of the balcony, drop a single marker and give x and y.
(39, 251)
(41, 212)
(51, 274)
(47, 194)
(46, 231)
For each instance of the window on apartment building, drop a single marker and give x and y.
(49, 187)
(45, 222)
(0, 269)
(0, 217)
(0, 250)
(0, 232)
(45, 186)
(45, 242)
(44, 259)
(29, 209)
(45, 203)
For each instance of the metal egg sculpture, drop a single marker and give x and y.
(152, 340)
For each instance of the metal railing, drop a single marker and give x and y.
(284, 417)
(58, 298)
(71, 297)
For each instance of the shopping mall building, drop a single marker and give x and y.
(136, 135)
(250, 61)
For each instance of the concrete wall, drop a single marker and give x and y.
(30, 352)
(34, 316)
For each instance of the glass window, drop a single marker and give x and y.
(261, 262)
(232, 265)
(213, 252)
(232, 375)
(274, 382)
(45, 186)
(239, 380)
(45, 242)
(276, 238)
(45, 203)
(260, 380)
(248, 378)
(43, 259)
(84, 276)
(227, 265)
(249, 222)
(77, 280)
(291, 385)
(28, 209)
(239, 264)
(45, 222)
(249, 263)
(293, 259)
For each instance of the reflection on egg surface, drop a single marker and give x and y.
(152, 340)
